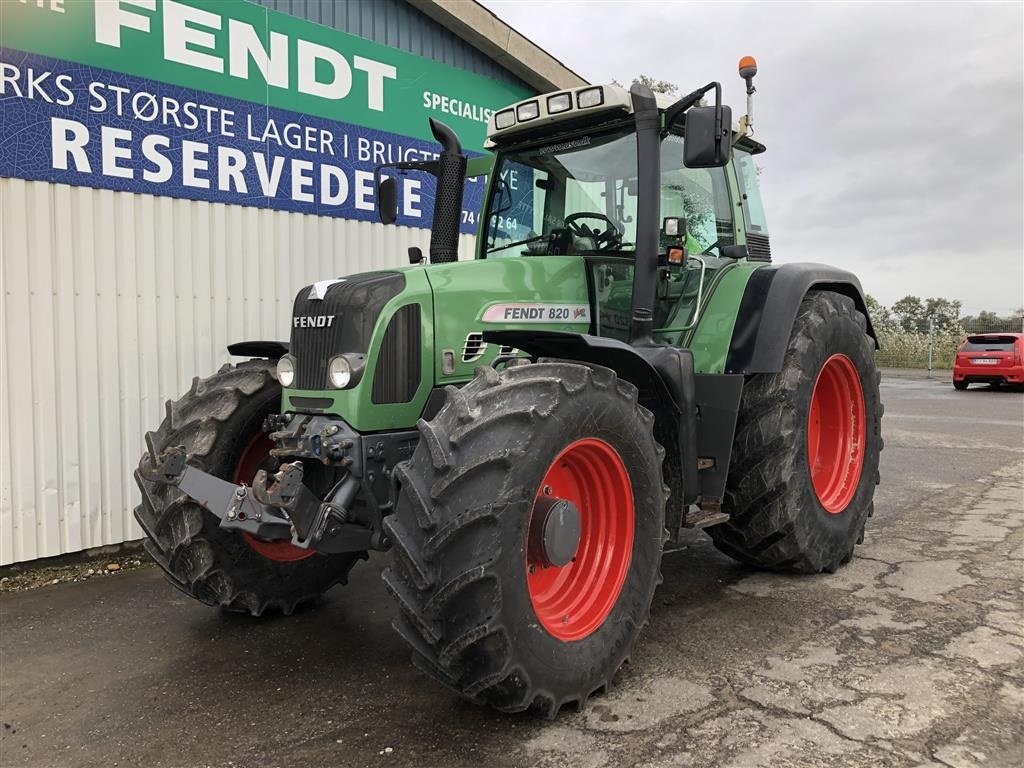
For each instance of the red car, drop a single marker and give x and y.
(990, 358)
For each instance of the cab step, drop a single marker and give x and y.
(704, 518)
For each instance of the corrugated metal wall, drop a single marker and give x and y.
(112, 302)
(399, 25)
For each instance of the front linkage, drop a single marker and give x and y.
(279, 506)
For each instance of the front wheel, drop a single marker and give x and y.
(219, 422)
(528, 533)
(805, 458)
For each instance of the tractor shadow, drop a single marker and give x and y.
(338, 674)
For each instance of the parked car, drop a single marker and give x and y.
(990, 358)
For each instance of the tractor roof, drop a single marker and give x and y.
(551, 109)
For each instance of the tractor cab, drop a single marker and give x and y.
(567, 181)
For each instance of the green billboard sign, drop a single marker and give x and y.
(245, 51)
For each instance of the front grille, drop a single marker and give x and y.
(342, 321)
(397, 375)
(757, 247)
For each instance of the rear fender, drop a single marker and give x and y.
(770, 302)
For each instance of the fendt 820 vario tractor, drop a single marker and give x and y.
(527, 431)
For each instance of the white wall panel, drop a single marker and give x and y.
(112, 302)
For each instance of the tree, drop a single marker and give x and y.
(944, 312)
(910, 313)
(881, 316)
(658, 86)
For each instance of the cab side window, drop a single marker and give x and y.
(699, 194)
(754, 221)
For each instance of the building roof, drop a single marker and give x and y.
(485, 31)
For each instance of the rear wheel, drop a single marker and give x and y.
(805, 457)
(528, 532)
(219, 421)
(961, 385)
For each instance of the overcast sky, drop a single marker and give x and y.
(894, 131)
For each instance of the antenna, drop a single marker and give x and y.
(748, 68)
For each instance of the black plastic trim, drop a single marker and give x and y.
(310, 403)
(769, 306)
(718, 403)
(272, 350)
(399, 361)
(435, 402)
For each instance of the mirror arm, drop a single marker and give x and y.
(676, 110)
(430, 166)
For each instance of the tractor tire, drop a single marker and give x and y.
(485, 606)
(805, 457)
(219, 421)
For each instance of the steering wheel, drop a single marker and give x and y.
(606, 240)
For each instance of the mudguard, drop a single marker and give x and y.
(272, 350)
(663, 375)
(768, 309)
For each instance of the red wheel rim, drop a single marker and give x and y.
(835, 433)
(573, 600)
(253, 458)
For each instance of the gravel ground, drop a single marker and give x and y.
(909, 656)
(18, 578)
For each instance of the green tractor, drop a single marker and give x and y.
(527, 431)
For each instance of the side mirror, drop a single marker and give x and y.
(387, 200)
(706, 139)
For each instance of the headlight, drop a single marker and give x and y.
(592, 97)
(504, 119)
(527, 111)
(339, 371)
(559, 103)
(286, 370)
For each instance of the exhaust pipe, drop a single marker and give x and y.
(648, 217)
(451, 178)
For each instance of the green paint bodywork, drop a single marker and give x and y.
(709, 340)
(454, 297)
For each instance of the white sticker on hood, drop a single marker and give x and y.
(537, 313)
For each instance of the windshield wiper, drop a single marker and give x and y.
(533, 239)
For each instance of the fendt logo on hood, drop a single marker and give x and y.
(313, 321)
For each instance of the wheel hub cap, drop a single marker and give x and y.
(555, 530)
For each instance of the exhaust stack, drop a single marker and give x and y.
(451, 177)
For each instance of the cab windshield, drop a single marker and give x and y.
(579, 196)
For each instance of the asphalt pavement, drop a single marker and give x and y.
(911, 655)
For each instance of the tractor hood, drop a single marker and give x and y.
(408, 332)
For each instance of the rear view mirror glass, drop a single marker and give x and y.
(387, 200)
(707, 140)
